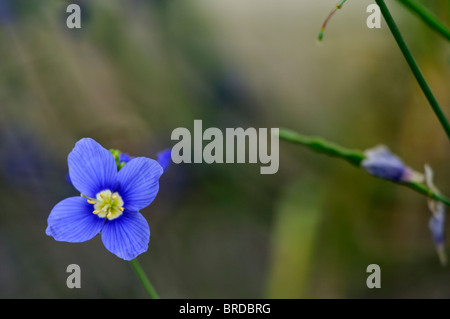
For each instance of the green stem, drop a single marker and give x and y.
(144, 279)
(355, 157)
(427, 17)
(413, 66)
(426, 191)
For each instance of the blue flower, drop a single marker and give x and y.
(125, 158)
(436, 224)
(110, 200)
(165, 158)
(437, 219)
(380, 162)
(6, 12)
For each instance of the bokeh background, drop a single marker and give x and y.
(136, 70)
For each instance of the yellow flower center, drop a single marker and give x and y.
(107, 204)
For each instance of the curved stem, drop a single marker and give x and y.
(413, 66)
(324, 25)
(144, 279)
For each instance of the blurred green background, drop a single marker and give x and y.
(136, 70)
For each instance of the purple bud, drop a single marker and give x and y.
(437, 223)
(124, 158)
(437, 220)
(380, 162)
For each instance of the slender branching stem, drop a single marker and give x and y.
(413, 66)
(354, 157)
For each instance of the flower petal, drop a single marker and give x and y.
(72, 220)
(138, 182)
(92, 168)
(127, 236)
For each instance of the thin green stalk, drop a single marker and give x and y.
(428, 192)
(427, 17)
(144, 279)
(318, 144)
(413, 66)
(354, 157)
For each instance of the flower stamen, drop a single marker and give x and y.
(107, 204)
